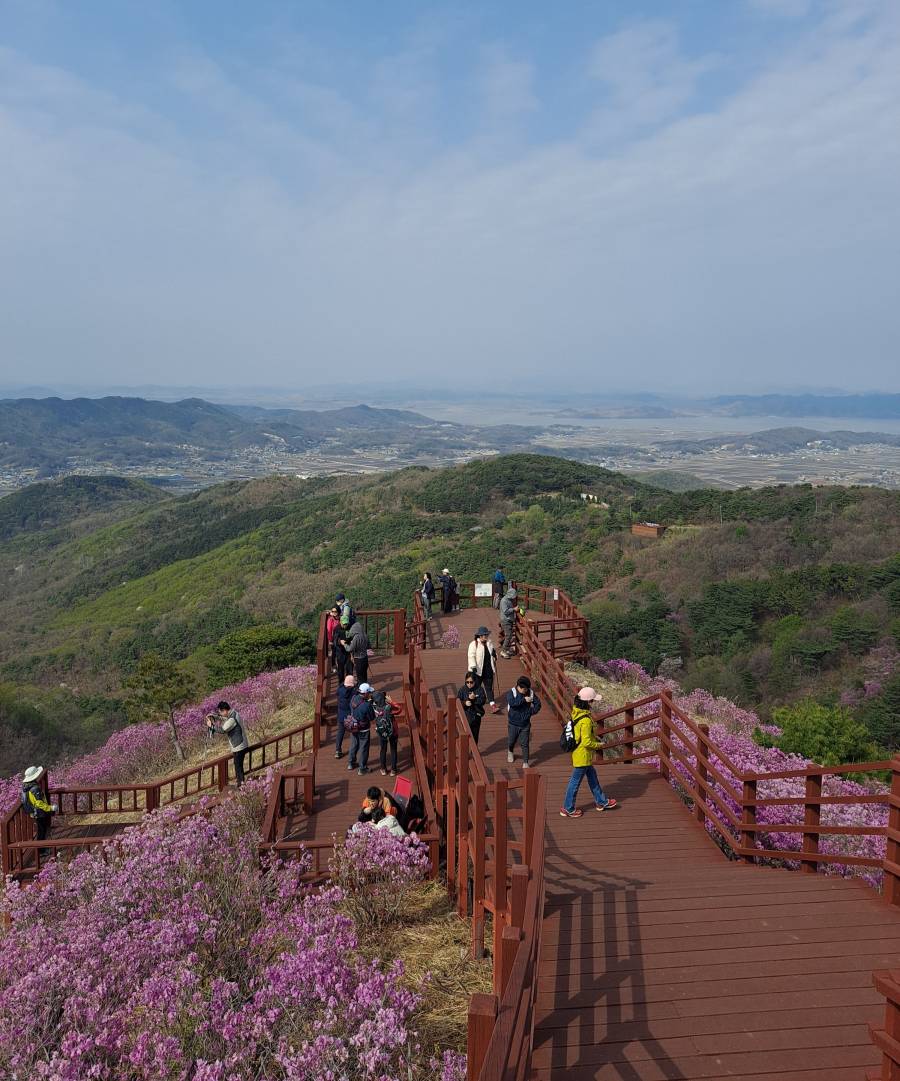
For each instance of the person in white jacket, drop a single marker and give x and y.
(483, 662)
(390, 822)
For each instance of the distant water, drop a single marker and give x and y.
(648, 427)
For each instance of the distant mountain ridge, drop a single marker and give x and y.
(48, 432)
(870, 406)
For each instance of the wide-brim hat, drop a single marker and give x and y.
(588, 694)
(481, 632)
(229, 724)
(32, 774)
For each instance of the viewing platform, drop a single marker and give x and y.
(645, 943)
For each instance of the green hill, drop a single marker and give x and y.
(710, 599)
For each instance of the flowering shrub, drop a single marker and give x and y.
(450, 637)
(144, 750)
(373, 868)
(731, 733)
(169, 954)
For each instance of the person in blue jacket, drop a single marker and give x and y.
(521, 705)
(498, 587)
(344, 698)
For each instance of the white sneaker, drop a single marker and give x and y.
(526, 765)
(510, 757)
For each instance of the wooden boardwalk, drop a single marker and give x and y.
(661, 958)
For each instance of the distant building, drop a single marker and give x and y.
(648, 529)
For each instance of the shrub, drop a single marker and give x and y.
(259, 649)
(450, 637)
(825, 734)
(373, 869)
(171, 954)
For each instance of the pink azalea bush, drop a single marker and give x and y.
(374, 869)
(143, 750)
(171, 954)
(731, 730)
(450, 637)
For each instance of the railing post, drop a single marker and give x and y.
(812, 813)
(702, 749)
(509, 947)
(629, 735)
(462, 824)
(450, 830)
(665, 733)
(887, 1037)
(151, 798)
(479, 817)
(500, 839)
(532, 791)
(892, 849)
(748, 818)
(518, 890)
(399, 632)
(482, 1018)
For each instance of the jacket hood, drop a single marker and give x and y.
(357, 628)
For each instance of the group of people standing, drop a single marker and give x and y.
(449, 593)
(359, 708)
(347, 641)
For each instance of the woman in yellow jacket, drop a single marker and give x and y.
(583, 756)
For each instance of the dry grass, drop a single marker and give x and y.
(435, 947)
(615, 695)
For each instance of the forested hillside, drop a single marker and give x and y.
(766, 595)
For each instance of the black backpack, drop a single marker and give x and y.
(415, 813)
(384, 719)
(567, 741)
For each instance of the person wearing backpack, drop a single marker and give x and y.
(387, 731)
(473, 701)
(581, 741)
(345, 610)
(35, 806)
(359, 725)
(498, 587)
(521, 705)
(344, 697)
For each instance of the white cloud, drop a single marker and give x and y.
(293, 236)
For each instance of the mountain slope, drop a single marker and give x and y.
(179, 574)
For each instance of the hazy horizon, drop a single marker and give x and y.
(697, 199)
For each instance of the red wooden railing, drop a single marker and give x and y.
(18, 845)
(887, 1037)
(294, 790)
(565, 632)
(494, 860)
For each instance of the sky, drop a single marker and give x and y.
(693, 196)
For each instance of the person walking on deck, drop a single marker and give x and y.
(581, 729)
(344, 697)
(359, 725)
(36, 807)
(356, 643)
(228, 720)
(508, 611)
(498, 587)
(427, 590)
(521, 705)
(473, 701)
(482, 660)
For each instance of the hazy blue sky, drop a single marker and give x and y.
(698, 193)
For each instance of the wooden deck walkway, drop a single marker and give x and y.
(661, 958)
